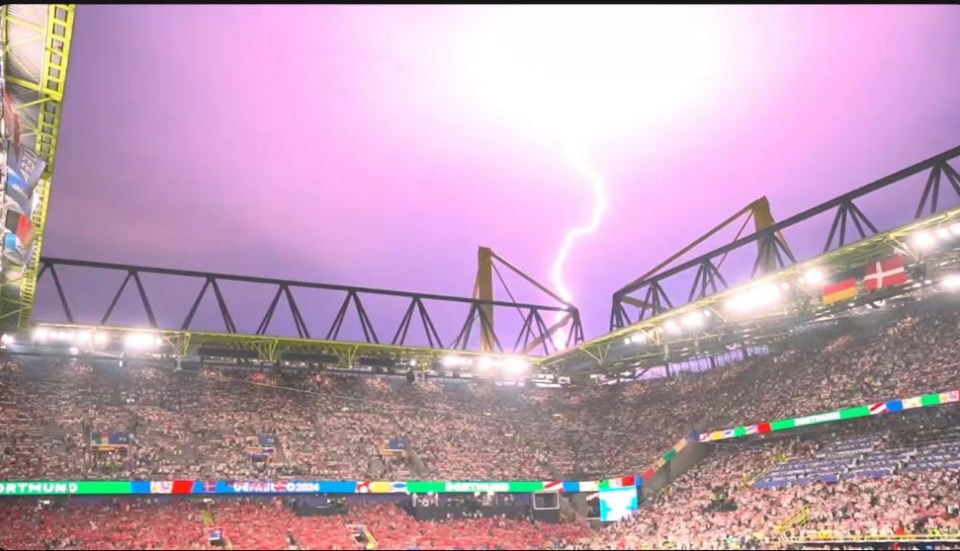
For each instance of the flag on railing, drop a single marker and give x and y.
(23, 175)
(888, 272)
(394, 447)
(261, 448)
(840, 291)
(107, 441)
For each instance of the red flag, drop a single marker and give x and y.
(182, 487)
(888, 272)
(25, 231)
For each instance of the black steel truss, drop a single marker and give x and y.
(534, 328)
(850, 224)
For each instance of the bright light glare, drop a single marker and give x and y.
(638, 338)
(140, 341)
(755, 298)
(576, 72)
(484, 364)
(955, 229)
(41, 334)
(923, 240)
(7, 339)
(573, 70)
(951, 282)
(693, 320)
(813, 277)
(671, 326)
(515, 366)
(101, 338)
(944, 233)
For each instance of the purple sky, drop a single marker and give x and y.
(350, 145)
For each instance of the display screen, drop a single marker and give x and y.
(618, 504)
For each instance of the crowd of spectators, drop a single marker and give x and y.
(723, 504)
(247, 524)
(140, 524)
(198, 425)
(188, 424)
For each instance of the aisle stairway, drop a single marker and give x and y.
(209, 522)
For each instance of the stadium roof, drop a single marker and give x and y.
(661, 336)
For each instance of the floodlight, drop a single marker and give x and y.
(922, 240)
(813, 276)
(951, 282)
(515, 366)
(693, 320)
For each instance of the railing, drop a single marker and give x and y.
(823, 536)
(749, 479)
(799, 518)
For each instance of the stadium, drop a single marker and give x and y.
(794, 385)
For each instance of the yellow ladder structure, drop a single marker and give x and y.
(798, 519)
(209, 521)
(749, 479)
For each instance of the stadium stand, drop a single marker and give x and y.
(197, 425)
(885, 477)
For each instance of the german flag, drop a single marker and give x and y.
(840, 291)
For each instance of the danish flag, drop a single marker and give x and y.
(888, 272)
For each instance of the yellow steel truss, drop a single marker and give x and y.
(52, 41)
(272, 349)
(832, 262)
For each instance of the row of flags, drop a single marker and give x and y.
(882, 274)
(877, 408)
(22, 169)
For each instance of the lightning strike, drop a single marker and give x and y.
(598, 187)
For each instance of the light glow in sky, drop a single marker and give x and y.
(578, 72)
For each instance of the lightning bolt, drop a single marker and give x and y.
(598, 185)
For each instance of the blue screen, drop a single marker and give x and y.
(618, 504)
